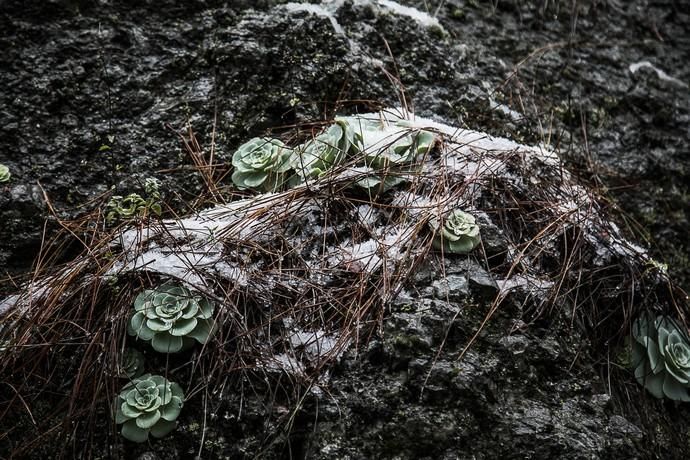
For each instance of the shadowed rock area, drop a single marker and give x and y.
(95, 92)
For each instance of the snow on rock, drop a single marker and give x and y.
(298, 242)
(661, 75)
(421, 17)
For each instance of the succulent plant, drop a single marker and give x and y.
(315, 157)
(661, 356)
(171, 317)
(132, 363)
(148, 404)
(134, 205)
(4, 173)
(153, 195)
(418, 142)
(125, 207)
(457, 233)
(401, 151)
(376, 180)
(260, 164)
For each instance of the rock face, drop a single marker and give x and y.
(89, 86)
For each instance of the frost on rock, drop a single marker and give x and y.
(301, 272)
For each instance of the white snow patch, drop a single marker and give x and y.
(659, 73)
(184, 263)
(415, 205)
(31, 292)
(314, 343)
(232, 272)
(531, 283)
(7, 303)
(367, 214)
(460, 140)
(421, 17)
(467, 166)
(318, 10)
(363, 256)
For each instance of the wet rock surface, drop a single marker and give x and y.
(89, 86)
(83, 75)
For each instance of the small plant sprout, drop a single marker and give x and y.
(260, 164)
(172, 318)
(127, 207)
(314, 158)
(132, 364)
(4, 173)
(457, 233)
(133, 205)
(153, 195)
(661, 357)
(148, 404)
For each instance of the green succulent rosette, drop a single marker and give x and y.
(377, 181)
(260, 164)
(661, 357)
(457, 233)
(148, 404)
(389, 157)
(132, 363)
(4, 174)
(403, 150)
(172, 318)
(328, 149)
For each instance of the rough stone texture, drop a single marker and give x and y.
(78, 75)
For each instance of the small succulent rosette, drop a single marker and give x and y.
(4, 173)
(457, 233)
(328, 149)
(172, 318)
(260, 164)
(661, 356)
(148, 404)
(131, 364)
(403, 149)
(389, 161)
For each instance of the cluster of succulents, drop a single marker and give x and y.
(4, 173)
(148, 404)
(661, 356)
(456, 233)
(171, 318)
(383, 155)
(133, 205)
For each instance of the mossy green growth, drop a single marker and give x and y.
(4, 173)
(148, 404)
(172, 318)
(661, 356)
(133, 205)
(457, 233)
(260, 164)
(125, 207)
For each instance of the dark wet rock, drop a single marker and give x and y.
(452, 287)
(89, 86)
